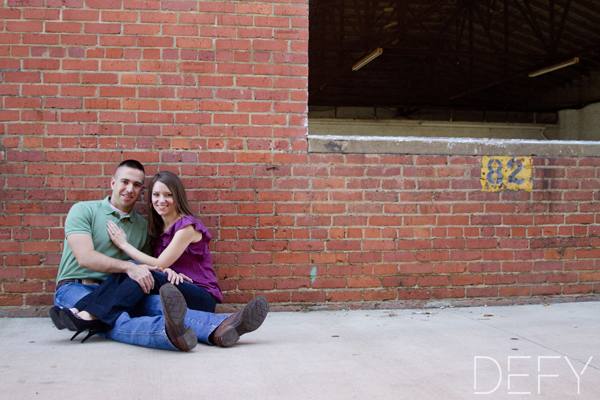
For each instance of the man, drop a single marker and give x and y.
(89, 257)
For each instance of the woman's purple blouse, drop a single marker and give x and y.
(195, 261)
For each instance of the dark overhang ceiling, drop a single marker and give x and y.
(470, 54)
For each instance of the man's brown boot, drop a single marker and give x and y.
(175, 308)
(248, 319)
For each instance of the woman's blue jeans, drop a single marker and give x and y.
(144, 325)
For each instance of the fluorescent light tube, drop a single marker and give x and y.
(367, 59)
(554, 67)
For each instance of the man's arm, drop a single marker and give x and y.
(82, 246)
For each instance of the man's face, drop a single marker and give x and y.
(126, 186)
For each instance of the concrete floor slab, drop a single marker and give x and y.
(449, 353)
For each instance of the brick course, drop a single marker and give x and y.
(217, 93)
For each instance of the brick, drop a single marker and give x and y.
(344, 296)
(563, 278)
(364, 282)
(118, 66)
(290, 10)
(291, 258)
(482, 292)
(380, 295)
(103, 4)
(23, 208)
(23, 287)
(308, 296)
(514, 291)
(448, 293)
(63, 27)
(589, 277)
(24, 26)
(41, 247)
(9, 115)
(130, 104)
(80, 15)
(548, 266)
(256, 284)
(41, 38)
(41, 64)
(193, 43)
(417, 294)
(99, 78)
(11, 300)
(39, 90)
(39, 300)
(11, 273)
(271, 270)
(577, 289)
(545, 290)
(467, 280)
(103, 28)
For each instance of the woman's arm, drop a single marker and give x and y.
(174, 250)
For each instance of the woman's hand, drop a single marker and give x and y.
(176, 278)
(117, 235)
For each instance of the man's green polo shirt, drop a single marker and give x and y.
(90, 217)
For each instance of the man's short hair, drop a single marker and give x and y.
(135, 164)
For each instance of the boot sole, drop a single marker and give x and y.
(253, 315)
(174, 309)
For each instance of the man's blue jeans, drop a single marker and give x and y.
(146, 324)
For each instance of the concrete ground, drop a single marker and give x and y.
(530, 351)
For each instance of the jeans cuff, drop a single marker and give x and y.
(168, 341)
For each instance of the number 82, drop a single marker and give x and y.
(513, 165)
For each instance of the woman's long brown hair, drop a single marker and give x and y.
(172, 181)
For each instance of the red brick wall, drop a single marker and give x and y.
(420, 229)
(217, 92)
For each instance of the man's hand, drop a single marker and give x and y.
(141, 274)
(83, 249)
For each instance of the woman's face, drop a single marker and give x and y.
(162, 200)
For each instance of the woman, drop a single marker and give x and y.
(181, 250)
